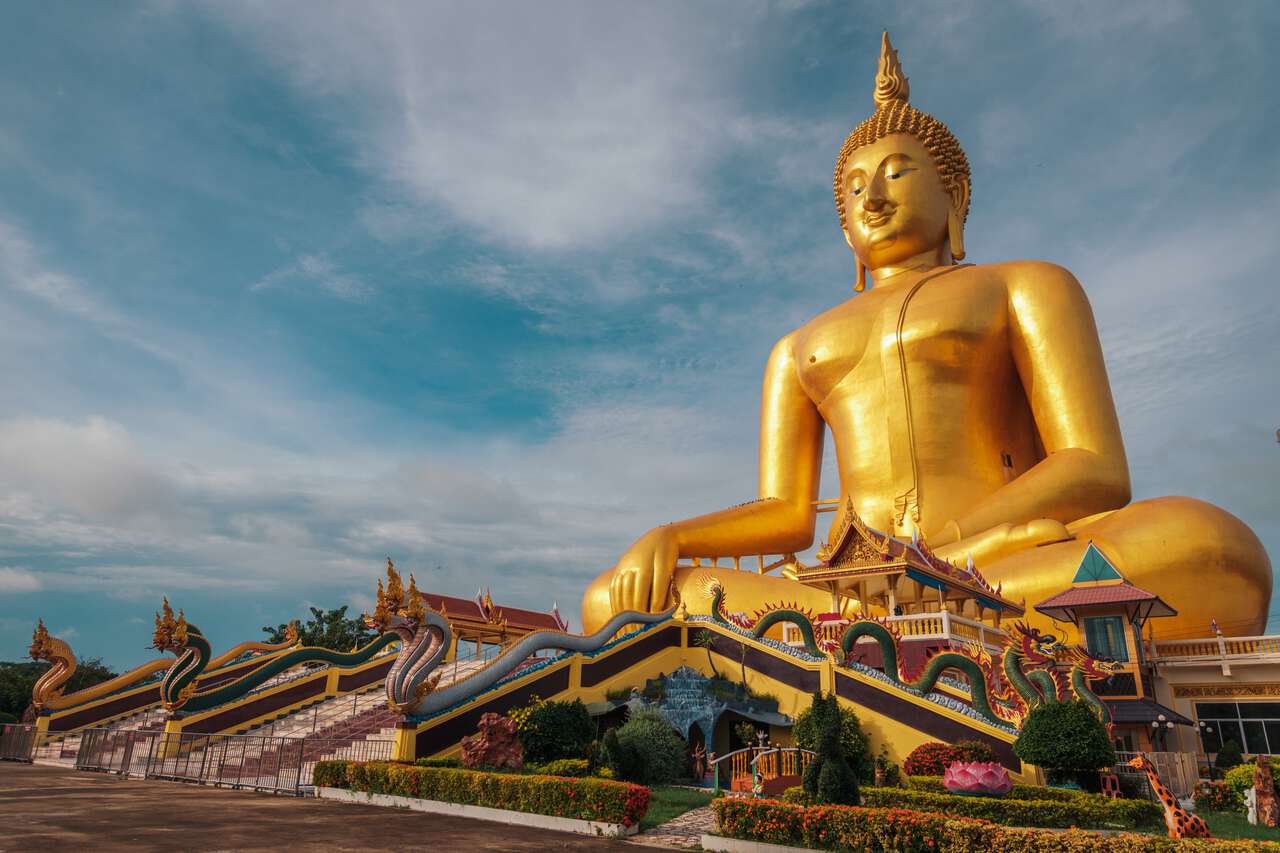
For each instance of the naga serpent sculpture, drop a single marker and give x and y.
(48, 648)
(188, 643)
(1029, 675)
(426, 638)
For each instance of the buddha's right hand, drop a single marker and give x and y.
(643, 574)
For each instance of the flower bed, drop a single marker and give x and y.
(1089, 812)
(581, 799)
(1019, 791)
(848, 828)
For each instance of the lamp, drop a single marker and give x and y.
(1169, 724)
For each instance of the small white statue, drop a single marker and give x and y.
(1251, 804)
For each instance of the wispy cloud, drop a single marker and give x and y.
(321, 271)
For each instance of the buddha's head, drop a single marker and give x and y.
(902, 180)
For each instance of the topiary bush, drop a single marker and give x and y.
(571, 767)
(829, 778)
(857, 749)
(645, 749)
(1229, 756)
(930, 759)
(1066, 739)
(974, 750)
(555, 730)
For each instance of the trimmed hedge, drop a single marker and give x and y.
(1019, 791)
(1085, 812)
(584, 799)
(850, 828)
(573, 767)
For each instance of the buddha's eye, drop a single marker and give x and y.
(893, 176)
(856, 191)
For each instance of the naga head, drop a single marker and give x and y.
(41, 647)
(1093, 667)
(1034, 645)
(397, 608)
(171, 633)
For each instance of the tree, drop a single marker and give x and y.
(18, 677)
(330, 629)
(704, 639)
(646, 749)
(857, 749)
(1229, 756)
(1067, 739)
(829, 778)
(555, 730)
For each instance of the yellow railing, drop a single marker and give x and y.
(1217, 648)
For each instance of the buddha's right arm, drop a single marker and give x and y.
(782, 518)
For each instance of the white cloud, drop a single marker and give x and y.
(550, 125)
(19, 580)
(320, 270)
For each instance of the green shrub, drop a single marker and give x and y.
(437, 762)
(974, 750)
(556, 730)
(844, 828)
(796, 796)
(1086, 811)
(1229, 756)
(646, 749)
(584, 799)
(857, 749)
(829, 778)
(6, 717)
(571, 767)
(1065, 738)
(1218, 797)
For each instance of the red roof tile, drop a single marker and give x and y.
(466, 607)
(1093, 596)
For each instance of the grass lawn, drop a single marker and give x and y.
(671, 802)
(1228, 825)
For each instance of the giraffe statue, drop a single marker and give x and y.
(1181, 823)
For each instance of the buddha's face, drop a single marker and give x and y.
(896, 206)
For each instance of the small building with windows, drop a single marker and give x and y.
(1109, 613)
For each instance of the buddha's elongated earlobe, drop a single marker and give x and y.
(955, 218)
(861, 284)
(955, 234)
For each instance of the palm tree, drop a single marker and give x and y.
(704, 639)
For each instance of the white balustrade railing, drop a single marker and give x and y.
(942, 625)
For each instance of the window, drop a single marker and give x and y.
(1104, 637)
(1255, 726)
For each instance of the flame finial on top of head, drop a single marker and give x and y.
(891, 82)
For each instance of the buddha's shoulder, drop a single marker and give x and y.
(1044, 277)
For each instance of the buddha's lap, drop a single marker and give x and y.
(1203, 561)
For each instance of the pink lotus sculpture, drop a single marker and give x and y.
(978, 778)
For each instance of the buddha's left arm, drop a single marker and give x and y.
(1059, 360)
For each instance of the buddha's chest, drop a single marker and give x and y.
(945, 330)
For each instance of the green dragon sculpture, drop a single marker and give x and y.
(1029, 673)
(188, 643)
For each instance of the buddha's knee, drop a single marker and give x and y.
(1206, 563)
(596, 608)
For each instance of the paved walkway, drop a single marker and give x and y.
(684, 832)
(49, 808)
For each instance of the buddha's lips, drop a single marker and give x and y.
(875, 220)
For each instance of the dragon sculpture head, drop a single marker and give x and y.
(424, 634)
(1034, 645)
(46, 647)
(171, 633)
(41, 646)
(1090, 666)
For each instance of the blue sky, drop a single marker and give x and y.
(290, 287)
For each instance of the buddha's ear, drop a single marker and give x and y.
(955, 217)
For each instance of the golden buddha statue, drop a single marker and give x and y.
(969, 405)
